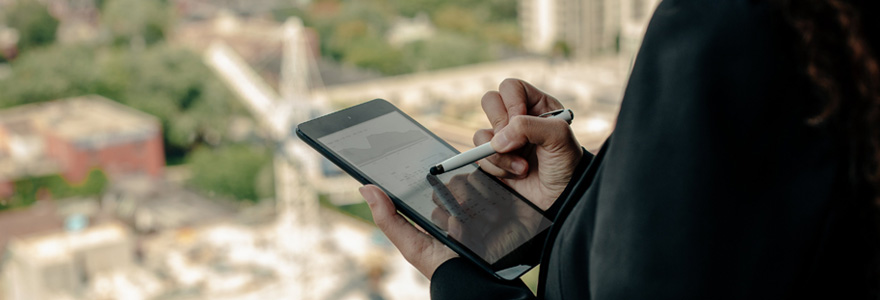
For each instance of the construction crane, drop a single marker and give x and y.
(295, 165)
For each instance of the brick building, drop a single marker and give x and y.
(75, 135)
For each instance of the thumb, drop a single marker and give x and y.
(421, 250)
(550, 134)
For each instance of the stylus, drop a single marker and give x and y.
(484, 150)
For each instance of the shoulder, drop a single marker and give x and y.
(717, 14)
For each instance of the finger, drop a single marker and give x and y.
(441, 218)
(522, 98)
(483, 136)
(547, 133)
(500, 165)
(441, 193)
(458, 184)
(402, 234)
(495, 110)
(441, 213)
(495, 170)
(513, 164)
(456, 229)
(480, 185)
(419, 249)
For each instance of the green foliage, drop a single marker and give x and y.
(50, 73)
(446, 50)
(232, 170)
(354, 32)
(456, 18)
(561, 48)
(36, 27)
(358, 210)
(169, 82)
(173, 84)
(374, 53)
(135, 21)
(28, 190)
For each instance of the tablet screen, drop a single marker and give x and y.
(466, 204)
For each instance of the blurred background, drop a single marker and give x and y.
(147, 150)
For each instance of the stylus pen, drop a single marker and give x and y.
(484, 150)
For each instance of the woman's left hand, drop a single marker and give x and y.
(420, 249)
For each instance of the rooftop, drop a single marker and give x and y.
(60, 244)
(149, 204)
(87, 121)
(39, 218)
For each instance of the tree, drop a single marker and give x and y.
(135, 21)
(353, 32)
(174, 84)
(36, 27)
(27, 190)
(169, 82)
(446, 50)
(50, 73)
(375, 53)
(237, 171)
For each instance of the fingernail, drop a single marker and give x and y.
(500, 141)
(518, 167)
(364, 192)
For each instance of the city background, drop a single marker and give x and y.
(147, 147)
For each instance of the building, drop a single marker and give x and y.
(60, 265)
(42, 217)
(582, 28)
(634, 18)
(73, 136)
(579, 29)
(150, 205)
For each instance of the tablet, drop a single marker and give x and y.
(470, 211)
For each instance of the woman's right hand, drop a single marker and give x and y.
(536, 156)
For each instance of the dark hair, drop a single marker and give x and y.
(840, 61)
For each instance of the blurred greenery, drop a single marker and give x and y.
(355, 32)
(358, 210)
(136, 21)
(446, 50)
(132, 63)
(240, 171)
(167, 81)
(36, 27)
(493, 10)
(29, 189)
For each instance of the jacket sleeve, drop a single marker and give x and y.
(460, 279)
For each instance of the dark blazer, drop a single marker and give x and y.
(712, 186)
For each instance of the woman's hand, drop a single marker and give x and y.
(536, 156)
(420, 249)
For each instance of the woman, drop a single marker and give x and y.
(744, 165)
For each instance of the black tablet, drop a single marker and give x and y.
(470, 211)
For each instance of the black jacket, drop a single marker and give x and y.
(712, 186)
